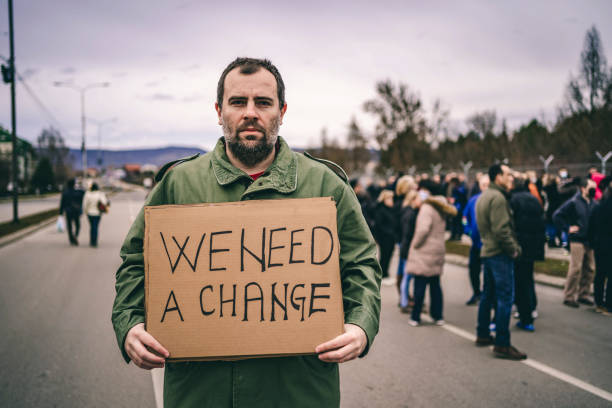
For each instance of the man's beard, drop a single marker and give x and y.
(251, 154)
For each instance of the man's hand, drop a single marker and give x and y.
(573, 229)
(139, 346)
(345, 347)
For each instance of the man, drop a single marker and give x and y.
(71, 205)
(499, 249)
(252, 162)
(600, 225)
(471, 229)
(531, 235)
(573, 217)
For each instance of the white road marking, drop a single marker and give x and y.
(157, 374)
(535, 364)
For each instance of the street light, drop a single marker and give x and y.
(82, 90)
(101, 124)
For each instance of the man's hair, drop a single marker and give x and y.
(94, 187)
(70, 184)
(581, 182)
(494, 170)
(430, 186)
(249, 66)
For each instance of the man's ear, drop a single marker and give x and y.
(218, 109)
(282, 112)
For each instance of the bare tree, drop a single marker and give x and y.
(483, 122)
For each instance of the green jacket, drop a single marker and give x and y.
(300, 381)
(496, 224)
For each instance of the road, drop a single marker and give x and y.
(28, 206)
(58, 348)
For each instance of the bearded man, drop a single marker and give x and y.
(251, 162)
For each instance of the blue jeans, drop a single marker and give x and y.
(94, 220)
(435, 295)
(499, 288)
(405, 285)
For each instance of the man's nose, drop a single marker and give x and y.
(250, 112)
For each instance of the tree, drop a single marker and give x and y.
(51, 146)
(593, 85)
(401, 128)
(483, 122)
(43, 178)
(438, 128)
(357, 152)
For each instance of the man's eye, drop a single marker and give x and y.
(236, 102)
(264, 103)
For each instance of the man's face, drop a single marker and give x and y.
(250, 115)
(505, 179)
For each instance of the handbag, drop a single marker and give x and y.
(103, 208)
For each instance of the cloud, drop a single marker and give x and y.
(29, 72)
(191, 68)
(121, 74)
(68, 70)
(192, 98)
(161, 97)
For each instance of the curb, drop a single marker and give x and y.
(539, 278)
(16, 236)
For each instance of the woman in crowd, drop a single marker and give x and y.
(410, 208)
(95, 204)
(426, 254)
(385, 225)
(404, 186)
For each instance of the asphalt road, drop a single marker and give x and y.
(58, 348)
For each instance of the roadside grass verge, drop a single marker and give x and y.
(552, 267)
(9, 227)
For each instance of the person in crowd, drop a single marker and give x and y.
(573, 217)
(600, 235)
(532, 186)
(71, 206)
(404, 185)
(531, 236)
(476, 186)
(552, 202)
(567, 188)
(385, 225)
(426, 254)
(596, 177)
(459, 200)
(365, 201)
(95, 204)
(499, 249)
(410, 208)
(471, 229)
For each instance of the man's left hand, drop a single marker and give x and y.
(345, 347)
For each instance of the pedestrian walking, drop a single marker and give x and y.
(573, 217)
(531, 235)
(71, 205)
(471, 229)
(426, 254)
(499, 249)
(600, 235)
(95, 204)
(385, 225)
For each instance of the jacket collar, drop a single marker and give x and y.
(280, 176)
(498, 188)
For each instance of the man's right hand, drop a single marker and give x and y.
(139, 346)
(573, 229)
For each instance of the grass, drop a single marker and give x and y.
(552, 267)
(9, 227)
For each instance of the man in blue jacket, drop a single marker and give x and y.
(573, 216)
(471, 229)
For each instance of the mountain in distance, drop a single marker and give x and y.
(118, 158)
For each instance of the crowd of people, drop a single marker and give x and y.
(510, 217)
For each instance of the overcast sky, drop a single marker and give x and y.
(163, 60)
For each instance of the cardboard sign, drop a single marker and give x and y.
(242, 279)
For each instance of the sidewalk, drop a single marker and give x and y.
(540, 278)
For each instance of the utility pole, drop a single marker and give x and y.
(101, 124)
(11, 68)
(82, 90)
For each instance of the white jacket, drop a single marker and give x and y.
(90, 202)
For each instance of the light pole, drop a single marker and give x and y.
(82, 90)
(101, 124)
